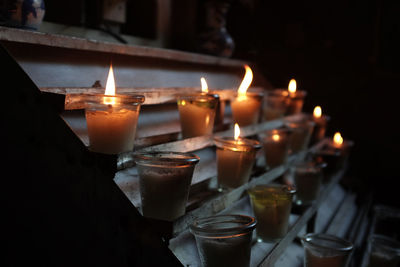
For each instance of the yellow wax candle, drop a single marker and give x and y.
(111, 120)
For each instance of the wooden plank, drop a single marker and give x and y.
(54, 40)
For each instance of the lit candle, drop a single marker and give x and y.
(111, 119)
(220, 111)
(276, 146)
(197, 113)
(246, 106)
(337, 141)
(320, 125)
(296, 98)
(235, 159)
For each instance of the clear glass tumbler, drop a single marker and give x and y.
(307, 177)
(276, 146)
(111, 122)
(326, 250)
(164, 179)
(224, 240)
(301, 134)
(275, 105)
(384, 251)
(197, 114)
(235, 160)
(271, 205)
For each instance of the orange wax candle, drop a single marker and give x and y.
(197, 114)
(246, 107)
(235, 159)
(111, 120)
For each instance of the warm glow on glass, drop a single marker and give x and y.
(110, 88)
(337, 140)
(204, 86)
(292, 86)
(247, 79)
(237, 131)
(276, 137)
(317, 112)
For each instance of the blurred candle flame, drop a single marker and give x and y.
(317, 112)
(276, 137)
(337, 139)
(292, 86)
(247, 79)
(237, 131)
(204, 86)
(110, 88)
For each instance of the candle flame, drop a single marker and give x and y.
(337, 139)
(317, 112)
(204, 86)
(247, 79)
(276, 137)
(110, 88)
(292, 86)
(237, 131)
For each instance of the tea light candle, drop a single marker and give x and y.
(197, 114)
(235, 159)
(320, 125)
(111, 119)
(276, 146)
(246, 106)
(296, 98)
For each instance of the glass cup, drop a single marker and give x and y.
(164, 180)
(307, 177)
(301, 134)
(271, 205)
(319, 130)
(276, 146)
(111, 122)
(224, 240)
(384, 251)
(246, 109)
(235, 160)
(197, 114)
(274, 106)
(294, 101)
(326, 250)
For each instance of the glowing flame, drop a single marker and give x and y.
(337, 140)
(276, 137)
(204, 86)
(247, 79)
(110, 88)
(317, 112)
(292, 86)
(237, 131)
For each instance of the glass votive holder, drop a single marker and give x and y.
(271, 205)
(301, 134)
(164, 182)
(384, 251)
(307, 178)
(331, 159)
(275, 105)
(224, 240)
(294, 100)
(326, 250)
(276, 146)
(111, 121)
(246, 109)
(319, 130)
(197, 114)
(235, 160)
